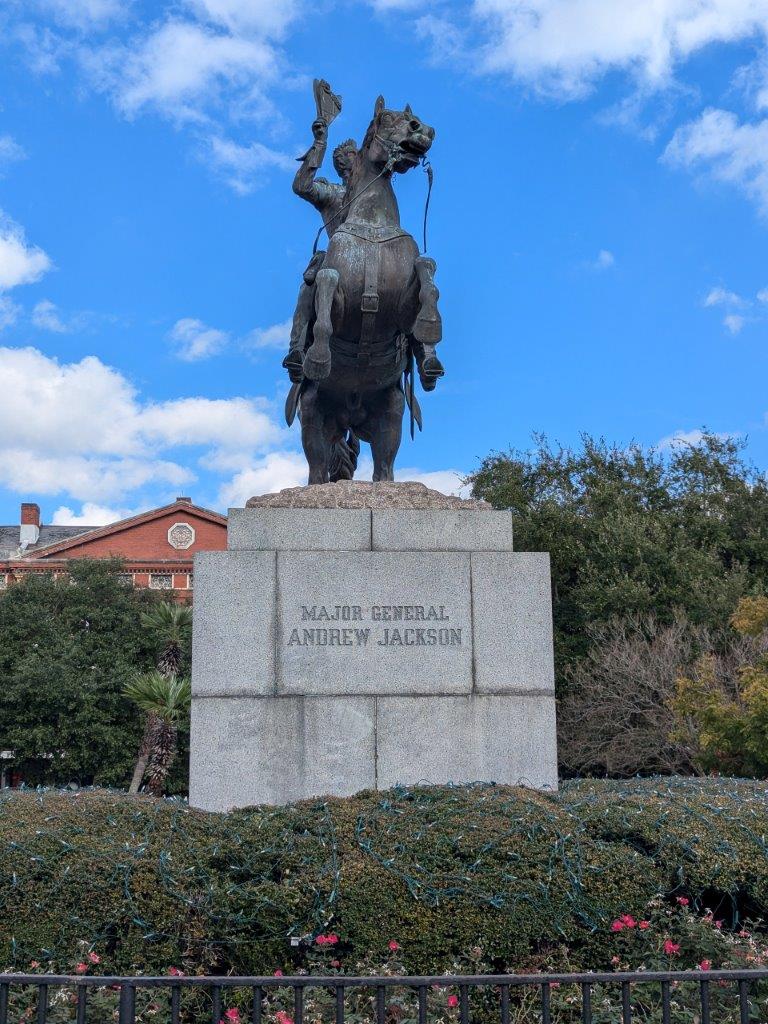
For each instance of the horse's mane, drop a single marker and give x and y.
(357, 165)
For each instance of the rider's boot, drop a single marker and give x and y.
(429, 366)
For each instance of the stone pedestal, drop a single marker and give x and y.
(394, 637)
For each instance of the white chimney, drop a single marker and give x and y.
(29, 531)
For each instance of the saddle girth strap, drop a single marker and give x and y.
(369, 305)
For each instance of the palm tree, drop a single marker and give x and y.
(169, 626)
(166, 700)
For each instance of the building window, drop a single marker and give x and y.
(191, 581)
(160, 581)
(3, 580)
(125, 579)
(181, 536)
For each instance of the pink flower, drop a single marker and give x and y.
(81, 968)
(327, 940)
(232, 1015)
(670, 947)
(615, 960)
(175, 972)
(94, 957)
(278, 973)
(453, 1001)
(283, 1018)
(683, 901)
(644, 924)
(628, 921)
(744, 934)
(705, 965)
(718, 924)
(618, 926)
(34, 963)
(394, 945)
(335, 963)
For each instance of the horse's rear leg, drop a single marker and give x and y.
(317, 361)
(384, 426)
(316, 430)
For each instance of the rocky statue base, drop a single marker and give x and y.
(355, 636)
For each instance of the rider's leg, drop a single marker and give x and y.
(384, 427)
(301, 319)
(428, 328)
(422, 321)
(317, 360)
(315, 434)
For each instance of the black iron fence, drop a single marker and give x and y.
(701, 997)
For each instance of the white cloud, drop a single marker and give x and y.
(10, 152)
(277, 336)
(180, 69)
(734, 322)
(47, 316)
(20, 263)
(263, 17)
(85, 13)
(272, 473)
(228, 423)
(762, 295)
(719, 145)
(90, 515)
(563, 47)
(9, 312)
(194, 340)
(81, 429)
(681, 438)
(243, 167)
(605, 259)
(722, 297)
(447, 481)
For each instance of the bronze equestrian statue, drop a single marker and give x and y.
(367, 308)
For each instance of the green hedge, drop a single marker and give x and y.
(150, 884)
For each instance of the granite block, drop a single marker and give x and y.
(480, 738)
(512, 622)
(449, 530)
(233, 634)
(299, 529)
(373, 622)
(274, 750)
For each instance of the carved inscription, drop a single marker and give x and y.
(432, 629)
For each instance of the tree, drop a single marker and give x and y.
(635, 532)
(69, 646)
(168, 627)
(724, 707)
(166, 700)
(616, 716)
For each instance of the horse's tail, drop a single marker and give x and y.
(344, 457)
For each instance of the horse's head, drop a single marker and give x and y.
(397, 136)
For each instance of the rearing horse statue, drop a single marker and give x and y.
(373, 313)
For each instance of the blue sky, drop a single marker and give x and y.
(599, 223)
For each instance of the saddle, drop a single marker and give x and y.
(369, 305)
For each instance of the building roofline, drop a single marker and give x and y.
(124, 524)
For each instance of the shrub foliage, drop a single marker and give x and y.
(451, 875)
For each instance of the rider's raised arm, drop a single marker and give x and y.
(304, 183)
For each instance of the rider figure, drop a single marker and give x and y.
(328, 199)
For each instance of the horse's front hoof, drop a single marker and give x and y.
(314, 368)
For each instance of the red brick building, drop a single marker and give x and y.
(157, 547)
